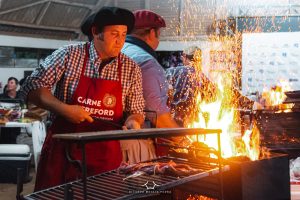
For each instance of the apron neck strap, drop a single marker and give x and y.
(119, 67)
(87, 55)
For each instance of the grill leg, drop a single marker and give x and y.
(220, 168)
(84, 173)
(68, 193)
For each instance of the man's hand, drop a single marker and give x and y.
(76, 114)
(131, 124)
(134, 121)
(43, 98)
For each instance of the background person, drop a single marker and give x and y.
(94, 71)
(186, 82)
(140, 45)
(9, 135)
(10, 89)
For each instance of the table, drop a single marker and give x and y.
(295, 191)
(37, 129)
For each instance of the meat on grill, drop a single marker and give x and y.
(162, 168)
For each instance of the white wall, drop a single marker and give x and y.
(205, 46)
(27, 42)
(179, 45)
(269, 58)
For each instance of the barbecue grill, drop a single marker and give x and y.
(266, 178)
(279, 129)
(111, 185)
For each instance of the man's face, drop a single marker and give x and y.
(185, 60)
(156, 38)
(111, 40)
(11, 85)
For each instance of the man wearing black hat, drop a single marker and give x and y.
(92, 80)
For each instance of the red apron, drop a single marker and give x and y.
(102, 98)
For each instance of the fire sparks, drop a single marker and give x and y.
(222, 47)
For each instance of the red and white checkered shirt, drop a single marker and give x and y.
(63, 67)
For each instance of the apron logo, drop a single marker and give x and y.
(109, 100)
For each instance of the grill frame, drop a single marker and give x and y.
(84, 138)
(279, 130)
(266, 178)
(220, 171)
(113, 181)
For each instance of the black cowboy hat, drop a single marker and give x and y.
(113, 16)
(86, 26)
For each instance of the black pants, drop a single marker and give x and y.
(9, 135)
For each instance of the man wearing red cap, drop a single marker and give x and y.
(92, 80)
(140, 45)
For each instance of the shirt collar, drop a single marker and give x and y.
(93, 53)
(94, 57)
(136, 41)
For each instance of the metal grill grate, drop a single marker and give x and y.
(111, 185)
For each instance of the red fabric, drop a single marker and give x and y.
(53, 168)
(148, 19)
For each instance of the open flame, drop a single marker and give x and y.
(276, 95)
(252, 143)
(215, 115)
(222, 114)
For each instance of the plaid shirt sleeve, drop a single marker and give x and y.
(134, 102)
(47, 74)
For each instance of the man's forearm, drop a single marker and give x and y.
(43, 98)
(166, 121)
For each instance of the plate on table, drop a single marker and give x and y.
(5, 112)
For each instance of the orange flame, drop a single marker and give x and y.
(276, 95)
(214, 115)
(221, 112)
(252, 143)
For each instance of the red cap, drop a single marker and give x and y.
(148, 19)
